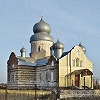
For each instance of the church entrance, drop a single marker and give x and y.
(77, 80)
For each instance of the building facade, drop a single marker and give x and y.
(75, 69)
(48, 67)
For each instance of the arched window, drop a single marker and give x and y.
(81, 63)
(39, 48)
(52, 63)
(77, 62)
(13, 65)
(74, 62)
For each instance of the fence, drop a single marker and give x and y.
(64, 94)
(22, 94)
(80, 94)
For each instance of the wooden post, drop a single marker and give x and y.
(6, 94)
(91, 81)
(84, 82)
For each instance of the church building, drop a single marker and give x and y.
(48, 66)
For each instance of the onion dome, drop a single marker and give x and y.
(42, 27)
(23, 49)
(41, 36)
(41, 32)
(83, 48)
(58, 45)
(23, 52)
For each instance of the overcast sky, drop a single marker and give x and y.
(70, 18)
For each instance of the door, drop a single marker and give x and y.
(77, 79)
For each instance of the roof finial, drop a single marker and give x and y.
(23, 44)
(58, 36)
(42, 14)
(80, 39)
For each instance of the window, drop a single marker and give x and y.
(77, 62)
(77, 51)
(52, 63)
(13, 65)
(39, 48)
(81, 63)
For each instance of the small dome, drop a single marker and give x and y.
(83, 48)
(42, 36)
(23, 49)
(58, 45)
(42, 27)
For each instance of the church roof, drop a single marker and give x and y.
(28, 61)
(64, 54)
(83, 72)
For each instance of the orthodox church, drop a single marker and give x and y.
(48, 67)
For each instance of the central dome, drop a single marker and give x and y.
(41, 32)
(42, 36)
(42, 27)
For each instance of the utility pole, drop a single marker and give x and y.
(35, 92)
(6, 93)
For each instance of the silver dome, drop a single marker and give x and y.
(23, 49)
(41, 36)
(58, 45)
(83, 48)
(42, 26)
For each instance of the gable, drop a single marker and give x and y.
(52, 58)
(77, 52)
(12, 59)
